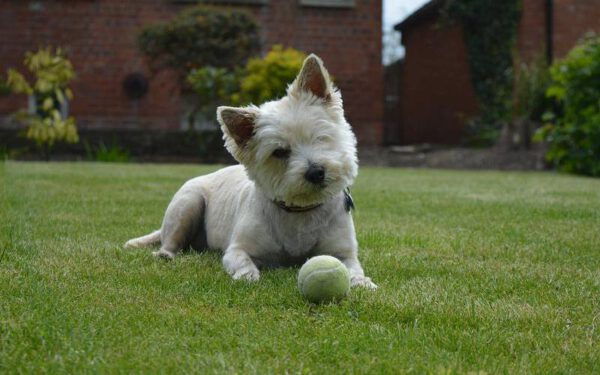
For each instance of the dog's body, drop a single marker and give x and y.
(287, 200)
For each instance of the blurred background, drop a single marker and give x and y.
(425, 83)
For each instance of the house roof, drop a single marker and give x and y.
(429, 9)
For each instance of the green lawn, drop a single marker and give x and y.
(477, 271)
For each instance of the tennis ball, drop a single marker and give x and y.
(323, 279)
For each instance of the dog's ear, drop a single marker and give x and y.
(313, 78)
(237, 123)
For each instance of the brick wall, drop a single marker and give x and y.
(436, 94)
(572, 20)
(531, 43)
(100, 36)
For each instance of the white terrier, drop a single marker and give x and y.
(287, 200)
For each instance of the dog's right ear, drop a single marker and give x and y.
(313, 78)
(237, 123)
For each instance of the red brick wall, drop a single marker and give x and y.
(572, 20)
(100, 36)
(531, 43)
(437, 95)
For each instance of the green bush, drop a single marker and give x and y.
(4, 88)
(531, 80)
(267, 78)
(46, 124)
(529, 89)
(573, 129)
(201, 36)
(109, 154)
(262, 79)
(213, 86)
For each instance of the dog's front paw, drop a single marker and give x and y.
(164, 254)
(363, 282)
(132, 244)
(248, 273)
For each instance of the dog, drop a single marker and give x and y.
(287, 200)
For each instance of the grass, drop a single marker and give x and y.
(478, 271)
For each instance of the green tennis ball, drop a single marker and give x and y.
(323, 279)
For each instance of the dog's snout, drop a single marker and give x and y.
(315, 174)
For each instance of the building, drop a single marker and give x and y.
(100, 37)
(435, 96)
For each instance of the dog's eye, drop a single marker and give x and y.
(281, 153)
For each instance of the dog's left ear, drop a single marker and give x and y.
(313, 78)
(237, 123)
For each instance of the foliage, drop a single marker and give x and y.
(490, 31)
(531, 80)
(528, 104)
(52, 72)
(103, 153)
(201, 36)
(481, 132)
(213, 86)
(5, 153)
(573, 129)
(260, 80)
(267, 78)
(4, 88)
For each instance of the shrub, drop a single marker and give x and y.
(531, 80)
(45, 120)
(110, 154)
(4, 88)
(573, 129)
(213, 86)
(529, 89)
(203, 45)
(262, 79)
(267, 78)
(201, 36)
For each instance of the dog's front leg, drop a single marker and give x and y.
(340, 242)
(348, 256)
(357, 275)
(239, 265)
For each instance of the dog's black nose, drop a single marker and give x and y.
(315, 174)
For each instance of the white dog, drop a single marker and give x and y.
(287, 200)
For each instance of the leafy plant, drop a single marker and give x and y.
(267, 78)
(573, 129)
(531, 79)
(201, 36)
(213, 86)
(112, 153)
(260, 80)
(4, 88)
(48, 92)
(5, 153)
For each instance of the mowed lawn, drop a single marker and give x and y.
(478, 272)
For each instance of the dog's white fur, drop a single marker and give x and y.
(266, 211)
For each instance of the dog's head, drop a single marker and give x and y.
(299, 149)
